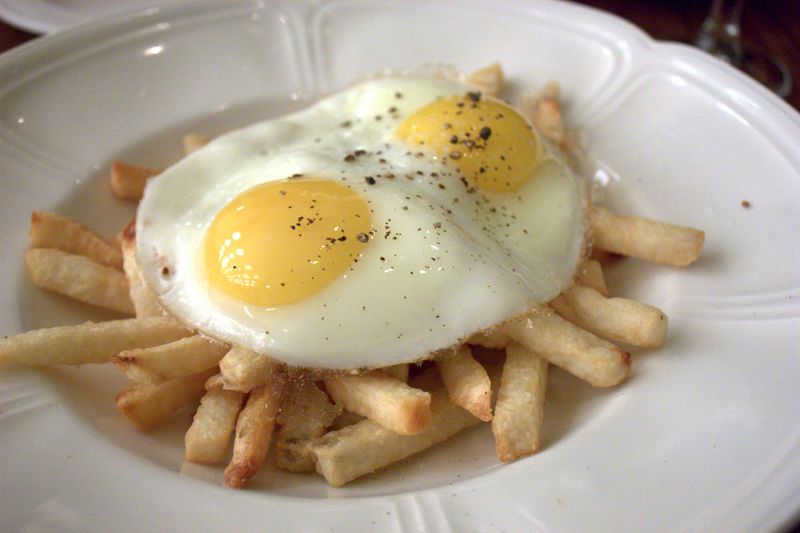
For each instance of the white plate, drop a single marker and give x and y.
(704, 436)
(47, 16)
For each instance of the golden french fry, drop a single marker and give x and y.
(51, 230)
(386, 400)
(355, 450)
(149, 406)
(519, 411)
(137, 374)
(306, 412)
(647, 239)
(467, 382)
(489, 79)
(547, 119)
(80, 278)
(400, 371)
(603, 257)
(254, 433)
(89, 342)
(128, 181)
(551, 89)
(492, 338)
(192, 142)
(243, 369)
(207, 438)
(345, 419)
(576, 350)
(144, 300)
(182, 357)
(215, 382)
(590, 274)
(616, 319)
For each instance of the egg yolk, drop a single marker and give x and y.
(281, 242)
(490, 143)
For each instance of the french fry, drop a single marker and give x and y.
(547, 119)
(207, 438)
(51, 230)
(590, 274)
(182, 357)
(400, 371)
(616, 319)
(144, 300)
(192, 142)
(80, 278)
(355, 450)
(551, 90)
(345, 419)
(254, 432)
(603, 257)
(89, 342)
(566, 345)
(386, 400)
(138, 374)
(519, 411)
(149, 406)
(493, 338)
(306, 412)
(128, 181)
(467, 382)
(489, 79)
(651, 240)
(215, 382)
(243, 369)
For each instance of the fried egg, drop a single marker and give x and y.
(378, 226)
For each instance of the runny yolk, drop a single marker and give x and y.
(281, 242)
(490, 143)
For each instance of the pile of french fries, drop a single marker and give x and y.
(342, 426)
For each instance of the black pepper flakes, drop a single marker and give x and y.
(485, 133)
(370, 180)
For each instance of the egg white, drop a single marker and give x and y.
(443, 263)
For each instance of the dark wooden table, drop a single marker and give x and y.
(772, 26)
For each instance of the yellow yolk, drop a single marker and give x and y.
(490, 143)
(281, 242)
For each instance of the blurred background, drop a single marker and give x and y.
(768, 27)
